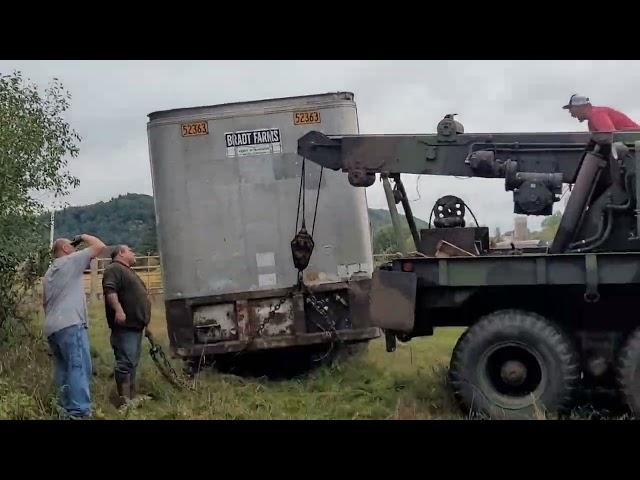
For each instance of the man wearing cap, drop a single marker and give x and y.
(600, 119)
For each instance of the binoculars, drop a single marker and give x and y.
(77, 240)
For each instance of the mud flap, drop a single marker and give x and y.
(392, 300)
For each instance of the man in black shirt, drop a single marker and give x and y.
(128, 313)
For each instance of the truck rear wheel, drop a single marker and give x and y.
(629, 372)
(514, 364)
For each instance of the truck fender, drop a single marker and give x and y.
(392, 300)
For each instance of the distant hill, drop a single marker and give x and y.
(130, 219)
(380, 218)
(126, 219)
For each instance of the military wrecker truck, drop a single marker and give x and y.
(545, 325)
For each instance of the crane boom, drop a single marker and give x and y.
(534, 166)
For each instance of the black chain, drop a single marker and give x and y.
(323, 310)
(272, 312)
(274, 309)
(301, 196)
(164, 366)
(315, 213)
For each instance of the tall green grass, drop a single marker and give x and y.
(407, 384)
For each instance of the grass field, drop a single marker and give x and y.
(406, 384)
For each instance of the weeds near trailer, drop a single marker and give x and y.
(410, 383)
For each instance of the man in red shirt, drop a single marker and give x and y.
(600, 119)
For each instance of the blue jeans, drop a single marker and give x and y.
(72, 369)
(126, 346)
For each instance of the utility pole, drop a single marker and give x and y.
(51, 227)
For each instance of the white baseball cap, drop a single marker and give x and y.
(577, 100)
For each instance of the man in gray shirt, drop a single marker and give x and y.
(65, 322)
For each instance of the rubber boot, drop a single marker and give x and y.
(135, 398)
(132, 387)
(123, 385)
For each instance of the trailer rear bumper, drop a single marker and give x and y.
(261, 344)
(271, 319)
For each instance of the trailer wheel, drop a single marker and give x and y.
(514, 364)
(629, 372)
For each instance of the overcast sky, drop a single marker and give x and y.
(111, 100)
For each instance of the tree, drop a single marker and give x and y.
(549, 228)
(35, 144)
(128, 219)
(385, 240)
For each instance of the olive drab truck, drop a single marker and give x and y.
(546, 326)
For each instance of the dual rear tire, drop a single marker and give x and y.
(515, 364)
(628, 373)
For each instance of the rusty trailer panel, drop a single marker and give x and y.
(269, 319)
